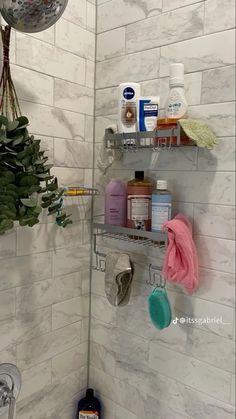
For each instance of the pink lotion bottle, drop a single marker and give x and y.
(115, 203)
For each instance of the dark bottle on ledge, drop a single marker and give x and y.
(89, 407)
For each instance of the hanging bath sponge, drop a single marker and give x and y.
(159, 308)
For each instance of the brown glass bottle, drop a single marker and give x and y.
(139, 200)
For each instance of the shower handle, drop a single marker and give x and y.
(10, 383)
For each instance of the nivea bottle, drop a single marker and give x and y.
(89, 407)
(128, 96)
(115, 203)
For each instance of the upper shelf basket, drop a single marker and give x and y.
(163, 138)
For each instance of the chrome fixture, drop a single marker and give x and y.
(10, 384)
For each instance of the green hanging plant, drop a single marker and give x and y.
(26, 184)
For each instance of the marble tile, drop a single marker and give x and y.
(66, 261)
(55, 122)
(174, 4)
(202, 53)
(76, 12)
(100, 125)
(103, 310)
(111, 44)
(8, 245)
(215, 253)
(35, 379)
(8, 355)
(7, 304)
(69, 311)
(140, 66)
(91, 17)
(232, 396)
(77, 154)
(90, 72)
(102, 358)
(122, 393)
(160, 87)
(101, 1)
(62, 391)
(193, 342)
(24, 327)
(183, 399)
(74, 97)
(119, 341)
(52, 61)
(72, 38)
(217, 287)
(188, 400)
(175, 159)
(167, 28)
(218, 186)
(47, 145)
(67, 286)
(48, 35)
(66, 362)
(164, 410)
(215, 20)
(126, 12)
(183, 208)
(46, 346)
(106, 103)
(214, 221)
(69, 177)
(25, 270)
(85, 330)
(38, 295)
(89, 128)
(222, 157)
(222, 322)
(218, 85)
(220, 117)
(32, 86)
(120, 413)
(108, 405)
(45, 237)
(190, 371)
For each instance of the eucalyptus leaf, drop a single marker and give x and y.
(12, 125)
(29, 202)
(24, 177)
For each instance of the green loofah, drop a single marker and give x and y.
(159, 308)
(199, 132)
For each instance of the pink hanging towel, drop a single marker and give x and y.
(181, 261)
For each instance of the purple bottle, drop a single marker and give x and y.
(115, 203)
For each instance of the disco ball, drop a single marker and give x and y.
(32, 15)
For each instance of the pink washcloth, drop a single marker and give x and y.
(181, 262)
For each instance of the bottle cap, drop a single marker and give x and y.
(139, 174)
(161, 184)
(90, 393)
(177, 74)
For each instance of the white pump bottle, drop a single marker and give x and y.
(176, 105)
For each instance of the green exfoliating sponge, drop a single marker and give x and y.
(159, 308)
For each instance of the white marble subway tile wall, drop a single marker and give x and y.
(184, 372)
(44, 271)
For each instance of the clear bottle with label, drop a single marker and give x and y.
(139, 196)
(161, 205)
(89, 407)
(176, 105)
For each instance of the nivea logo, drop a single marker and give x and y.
(128, 93)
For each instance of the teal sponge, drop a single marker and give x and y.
(159, 308)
